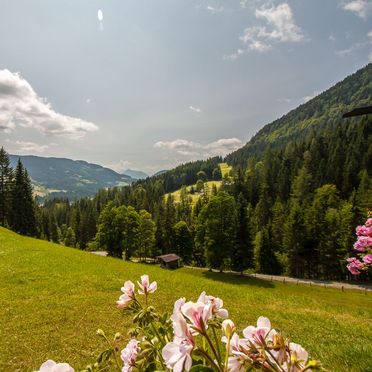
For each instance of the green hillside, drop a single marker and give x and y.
(66, 178)
(54, 298)
(322, 112)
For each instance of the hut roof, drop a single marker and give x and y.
(169, 257)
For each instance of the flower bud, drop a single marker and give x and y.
(100, 332)
(228, 327)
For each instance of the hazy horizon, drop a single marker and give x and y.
(149, 85)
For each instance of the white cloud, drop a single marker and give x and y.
(286, 100)
(214, 9)
(344, 52)
(21, 106)
(370, 57)
(195, 109)
(280, 28)
(119, 166)
(197, 150)
(362, 8)
(233, 56)
(281, 19)
(30, 147)
(331, 37)
(310, 97)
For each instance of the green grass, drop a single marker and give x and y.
(52, 300)
(225, 169)
(194, 197)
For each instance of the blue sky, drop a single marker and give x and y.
(157, 83)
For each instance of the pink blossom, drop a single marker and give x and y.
(217, 305)
(198, 314)
(239, 358)
(367, 259)
(369, 222)
(364, 231)
(362, 243)
(128, 296)
(129, 355)
(354, 265)
(52, 366)
(298, 357)
(145, 285)
(260, 334)
(177, 354)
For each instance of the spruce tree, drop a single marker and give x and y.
(23, 207)
(6, 178)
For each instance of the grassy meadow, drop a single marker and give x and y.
(53, 299)
(225, 170)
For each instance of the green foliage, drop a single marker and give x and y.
(216, 230)
(183, 241)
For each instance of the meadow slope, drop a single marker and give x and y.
(53, 298)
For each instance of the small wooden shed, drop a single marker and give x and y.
(169, 261)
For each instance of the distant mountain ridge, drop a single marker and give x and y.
(136, 174)
(320, 113)
(73, 179)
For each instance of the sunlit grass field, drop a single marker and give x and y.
(52, 300)
(225, 170)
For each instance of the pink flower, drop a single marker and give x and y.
(367, 259)
(52, 366)
(217, 304)
(177, 354)
(128, 296)
(260, 334)
(198, 314)
(298, 357)
(362, 243)
(129, 355)
(354, 265)
(145, 286)
(239, 358)
(364, 231)
(369, 222)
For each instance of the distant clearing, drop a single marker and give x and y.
(225, 170)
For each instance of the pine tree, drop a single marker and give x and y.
(6, 178)
(242, 254)
(23, 207)
(182, 241)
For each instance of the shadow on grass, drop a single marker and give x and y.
(236, 279)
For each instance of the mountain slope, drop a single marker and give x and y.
(322, 112)
(60, 177)
(138, 175)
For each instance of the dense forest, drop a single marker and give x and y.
(290, 207)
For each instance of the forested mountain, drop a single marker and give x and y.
(320, 113)
(135, 174)
(73, 179)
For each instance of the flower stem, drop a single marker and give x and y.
(212, 348)
(217, 343)
(208, 358)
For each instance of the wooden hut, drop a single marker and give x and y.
(169, 261)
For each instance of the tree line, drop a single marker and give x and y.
(290, 211)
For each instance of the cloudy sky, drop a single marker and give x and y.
(148, 84)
